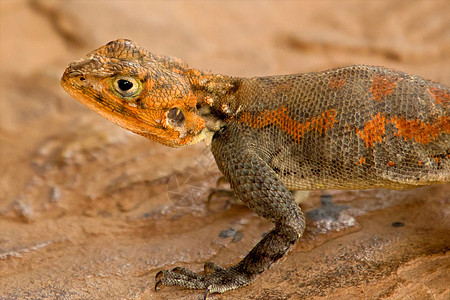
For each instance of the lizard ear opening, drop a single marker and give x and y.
(176, 117)
(127, 87)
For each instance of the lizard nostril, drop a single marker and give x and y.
(82, 79)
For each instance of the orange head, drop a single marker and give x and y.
(145, 93)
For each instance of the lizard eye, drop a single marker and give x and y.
(175, 117)
(127, 86)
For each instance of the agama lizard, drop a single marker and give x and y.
(355, 127)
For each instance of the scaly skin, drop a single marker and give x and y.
(355, 127)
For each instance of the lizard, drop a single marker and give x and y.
(354, 127)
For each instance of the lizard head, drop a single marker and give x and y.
(144, 93)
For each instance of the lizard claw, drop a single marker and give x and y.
(159, 275)
(158, 285)
(206, 294)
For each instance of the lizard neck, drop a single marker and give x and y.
(216, 99)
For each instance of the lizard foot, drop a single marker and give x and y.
(218, 279)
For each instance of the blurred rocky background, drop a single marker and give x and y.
(91, 211)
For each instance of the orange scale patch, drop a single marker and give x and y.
(409, 129)
(440, 96)
(336, 83)
(382, 86)
(373, 131)
(288, 125)
(419, 131)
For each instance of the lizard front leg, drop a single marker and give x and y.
(258, 186)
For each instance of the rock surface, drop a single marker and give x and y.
(91, 211)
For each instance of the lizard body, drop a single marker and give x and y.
(354, 127)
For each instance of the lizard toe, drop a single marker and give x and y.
(219, 281)
(211, 267)
(186, 272)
